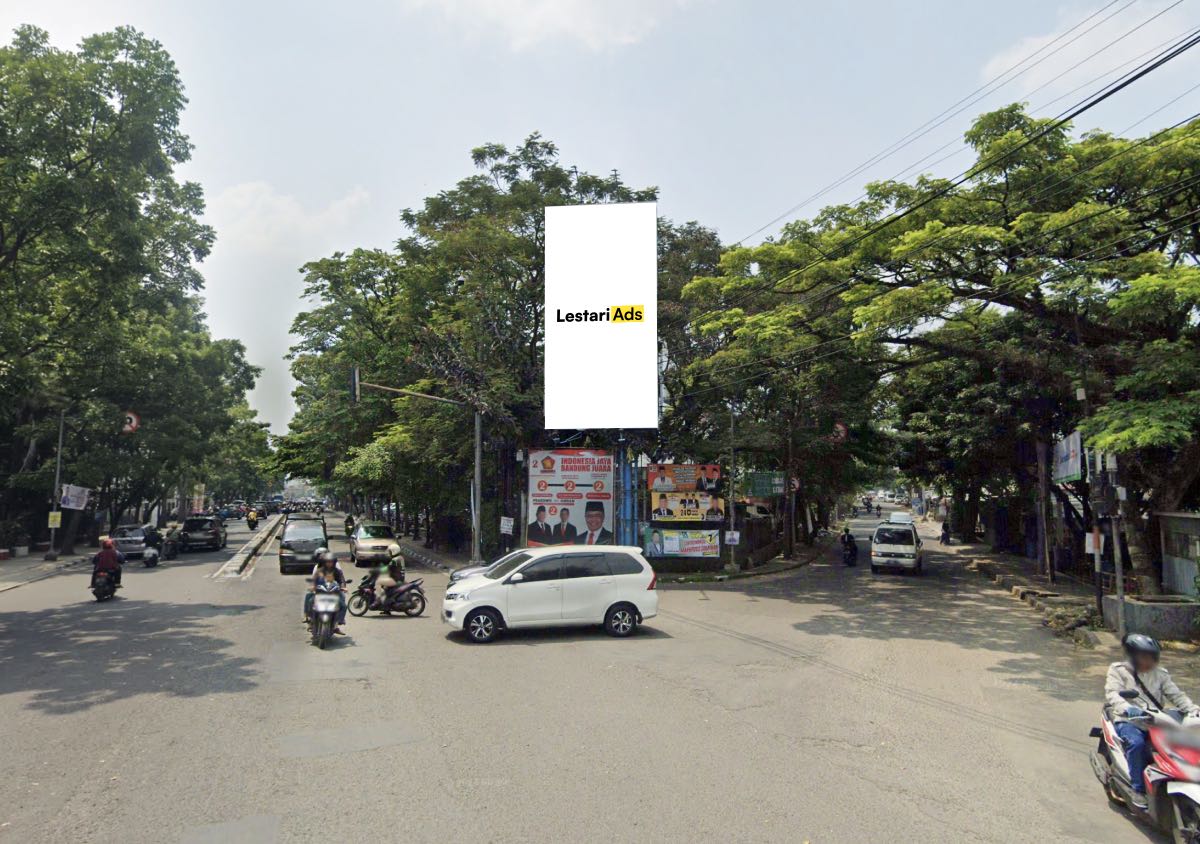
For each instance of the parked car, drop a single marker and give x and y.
(207, 531)
(369, 544)
(896, 546)
(468, 571)
(298, 544)
(134, 540)
(555, 586)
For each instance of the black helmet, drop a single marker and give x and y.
(1136, 643)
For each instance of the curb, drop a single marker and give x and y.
(236, 564)
(818, 549)
(54, 571)
(408, 551)
(1043, 602)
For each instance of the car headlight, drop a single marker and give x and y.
(457, 596)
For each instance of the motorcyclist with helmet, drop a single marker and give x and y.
(327, 569)
(1141, 673)
(388, 575)
(109, 559)
(319, 555)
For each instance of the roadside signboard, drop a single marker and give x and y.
(1068, 458)
(506, 525)
(74, 497)
(570, 497)
(766, 484)
(54, 519)
(683, 477)
(733, 537)
(657, 542)
(686, 507)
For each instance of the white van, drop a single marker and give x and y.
(896, 545)
(898, 517)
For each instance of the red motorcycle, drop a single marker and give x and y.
(1172, 778)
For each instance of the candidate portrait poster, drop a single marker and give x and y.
(660, 542)
(685, 507)
(683, 477)
(570, 497)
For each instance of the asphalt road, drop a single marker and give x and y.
(821, 705)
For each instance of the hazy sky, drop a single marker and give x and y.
(315, 123)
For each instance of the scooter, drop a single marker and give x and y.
(1172, 777)
(325, 606)
(408, 598)
(252, 522)
(150, 558)
(104, 585)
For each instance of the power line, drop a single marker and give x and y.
(949, 112)
(1066, 272)
(1181, 46)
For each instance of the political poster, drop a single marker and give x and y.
(683, 477)
(74, 497)
(686, 507)
(657, 542)
(570, 497)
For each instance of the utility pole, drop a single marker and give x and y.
(477, 483)
(790, 544)
(1042, 451)
(52, 554)
(732, 503)
(477, 493)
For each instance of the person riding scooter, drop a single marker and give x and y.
(388, 575)
(849, 547)
(252, 519)
(110, 560)
(1141, 674)
(328, 570)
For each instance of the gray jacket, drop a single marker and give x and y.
(1157, 681)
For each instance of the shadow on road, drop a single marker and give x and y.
(557, 636)
(87, 654)
(947, 604)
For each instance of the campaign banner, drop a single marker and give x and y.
(570, 497)
(1068, 458)
(683, 477)
(601, 316)
(686, 507)
(657, 542)
(74, 497)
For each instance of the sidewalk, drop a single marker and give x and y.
(1067, 604)
(18, 572)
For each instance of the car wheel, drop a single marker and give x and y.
(920, 569)
(482, 626)
(620, 620)
(874, 569)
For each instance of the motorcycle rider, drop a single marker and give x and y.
(318, 557)
(328, 570)
(388, 574)
(349, 524)
(849, 547)
(108, 559)
(1154, 685)
(252, 518)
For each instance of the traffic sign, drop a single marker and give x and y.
(132, 421)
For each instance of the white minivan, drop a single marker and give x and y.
(896, 545)
(555, 586)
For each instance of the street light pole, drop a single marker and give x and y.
(51, 554)
(477, 490)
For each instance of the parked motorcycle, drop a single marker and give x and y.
(104, 585)
(326, 603)
(1172, 777)
(150, 558)
(408, 598)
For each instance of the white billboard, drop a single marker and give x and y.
(602, 316)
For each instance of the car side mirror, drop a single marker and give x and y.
(1128, 694)
(516, 578)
